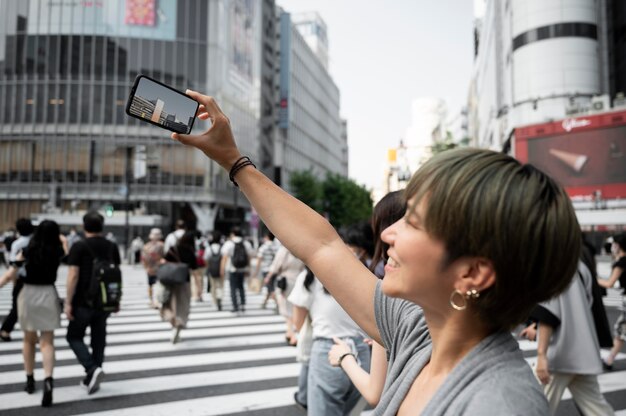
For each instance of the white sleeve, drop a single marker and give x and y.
(300, 296)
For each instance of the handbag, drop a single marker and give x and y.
(281, 283)
(171, 273)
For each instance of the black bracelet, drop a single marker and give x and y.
(241, 163)
(344, 356)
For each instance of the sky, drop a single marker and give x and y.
(173, 103)
(383, 55)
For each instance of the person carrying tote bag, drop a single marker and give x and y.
(174, 274)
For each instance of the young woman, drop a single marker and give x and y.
(483, 240)
(618, 272)
(39, 309)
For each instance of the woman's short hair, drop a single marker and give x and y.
(487, 204)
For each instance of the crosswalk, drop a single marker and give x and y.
(224, 365)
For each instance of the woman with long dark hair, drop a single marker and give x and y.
(39, 309)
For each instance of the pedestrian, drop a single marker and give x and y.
(285, 269)
(151, 256)
(329, 390)
(618, 274)
(172, 238)
(453, 290)
(567, 348)
(80, 313)
(176, 309)
(39, 309)
(72, 237)
(134, 252)
(25, 230)
(265, 256)
(236, 254)
(197, 274)
(214, 270)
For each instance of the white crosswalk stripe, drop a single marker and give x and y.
(225, 364)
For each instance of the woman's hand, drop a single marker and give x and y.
(541, 369)
(336, 351)
(530, 332)
(217, 142)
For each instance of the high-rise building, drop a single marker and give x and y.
(311, 134)
(542, 60)
(66, 144)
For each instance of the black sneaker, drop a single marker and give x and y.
(299, 404)
(93, 380)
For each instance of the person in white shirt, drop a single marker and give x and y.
(329, 389)
(174, 236)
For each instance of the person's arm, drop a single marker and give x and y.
(299, 316)
(608, 283)
(72, 281)
(302, 230)
(544, 333)
(223, 266)
(257, 268)
(9, 275)
(371, 384)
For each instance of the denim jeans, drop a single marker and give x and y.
(236, 285)
(302, 383)
(330, 391)
(97, 321)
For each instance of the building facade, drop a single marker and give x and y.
(66, 144)
(311, 134)
(542, 60)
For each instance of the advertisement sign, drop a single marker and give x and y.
(285, 70)
(149, 19)
(242, 37)
(586, 155)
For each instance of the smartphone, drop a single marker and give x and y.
(159, 104)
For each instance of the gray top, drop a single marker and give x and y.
(574, 345)
(493, 379)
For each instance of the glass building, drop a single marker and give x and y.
(66, 144)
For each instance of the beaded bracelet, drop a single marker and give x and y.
(241, 163)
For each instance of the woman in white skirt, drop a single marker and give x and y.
(39, 309)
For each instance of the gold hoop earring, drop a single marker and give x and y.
(453, 303)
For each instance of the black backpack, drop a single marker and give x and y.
(104, 291)
(240, 256)
(215, 262)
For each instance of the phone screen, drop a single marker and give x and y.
(161, 105)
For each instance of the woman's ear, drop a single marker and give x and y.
(477, 273)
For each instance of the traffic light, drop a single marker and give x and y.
(108, 210)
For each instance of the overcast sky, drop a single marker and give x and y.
(383, 54)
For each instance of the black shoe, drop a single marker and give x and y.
(93, 379)
(30, 384)
(299, 404)
(46, 401)
(219, 304)
(5, 336)
(243, 308)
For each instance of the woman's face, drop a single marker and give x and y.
(415, 270)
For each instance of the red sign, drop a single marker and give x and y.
(586, 154)
(140, 12)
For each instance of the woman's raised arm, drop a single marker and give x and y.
(303, 231)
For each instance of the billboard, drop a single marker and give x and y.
(586, 155)
(149, 19)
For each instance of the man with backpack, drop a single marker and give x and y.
(236, 254)
(93, 292)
